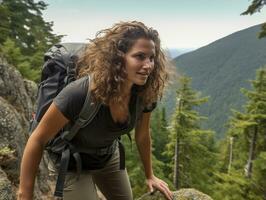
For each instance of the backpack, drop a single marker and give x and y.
(58, 71)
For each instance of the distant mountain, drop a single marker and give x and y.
(175, 52)
(219, 70)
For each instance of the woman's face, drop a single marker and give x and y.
(139, 61)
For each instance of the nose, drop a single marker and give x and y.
(148, 64)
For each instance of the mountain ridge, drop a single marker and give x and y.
(219, 70)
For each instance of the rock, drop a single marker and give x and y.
(6, 192)
(12, 132)
(12, 136)
(31, 89)
(191, 194)
(182, 194)
(12, 89)
(17, 98)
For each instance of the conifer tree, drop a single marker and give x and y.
(246, 179)
(160, 133)
(21, 21)
(254, 7)
(192, 147)
(160, 138)
(14, 56)
(27, 26)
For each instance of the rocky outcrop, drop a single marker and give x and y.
(13, 89)
(182, 194)
(6, 191)
(17, 97)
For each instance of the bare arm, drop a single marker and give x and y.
(143, 141)
(51, 123)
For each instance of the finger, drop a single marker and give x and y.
(164, 183)
(150, 187)
(168, 194)
(165, 190)
(169, 191)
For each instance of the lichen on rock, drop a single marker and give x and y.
(182, 194)
(17, 98)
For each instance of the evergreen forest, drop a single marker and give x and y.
(225, 163)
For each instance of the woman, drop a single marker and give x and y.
(126, 64)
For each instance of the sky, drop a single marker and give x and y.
(182, 24)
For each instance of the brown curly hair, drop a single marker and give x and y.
(104, 58)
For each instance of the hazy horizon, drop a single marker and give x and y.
(181, 24)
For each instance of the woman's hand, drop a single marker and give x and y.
(143, 141)
(156, 183)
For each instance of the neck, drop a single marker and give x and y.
(126, 91)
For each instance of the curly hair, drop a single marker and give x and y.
(104, 58)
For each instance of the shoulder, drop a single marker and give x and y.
(76, 89)
(71, 99)
(78, 86)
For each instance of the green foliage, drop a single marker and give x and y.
(196, 150)
(246, 179)
(219, 70)
(4, 25)
(27, 27)
(233, 186)
(22, 23)
(262, 34)
(260, 169)
(15, 57)
(160, 138)
(160, 133)
(6, 151)
(254, 7)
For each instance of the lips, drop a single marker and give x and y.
(143, 73)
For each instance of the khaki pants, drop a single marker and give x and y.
(112, 182)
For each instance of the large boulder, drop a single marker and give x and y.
(182, 194)
(6, 192)
(12, 132)
(12, 88)
(17, 98)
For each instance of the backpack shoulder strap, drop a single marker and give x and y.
(86, 115)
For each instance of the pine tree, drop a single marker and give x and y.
(160, 138)
(22, 63)
(4, 24)
(27, 26)
(21, 21)
(248, 166)
(160, 133)
(192, 147)
(254, 7)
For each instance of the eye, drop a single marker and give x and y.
(152, 59)
(140, 56)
